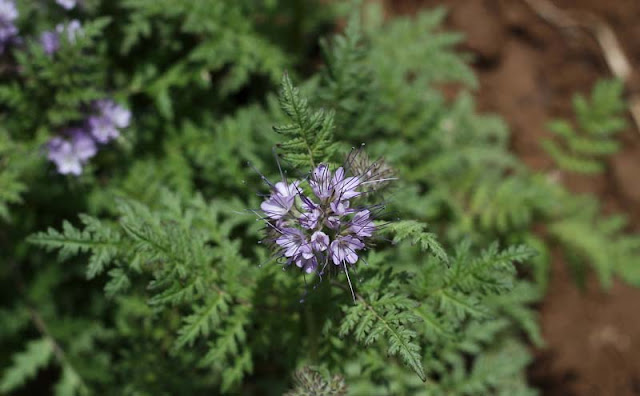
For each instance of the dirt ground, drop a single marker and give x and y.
(528, 71)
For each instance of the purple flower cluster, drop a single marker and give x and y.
(71, 153)
(50, 40)
(323, 226)
(8, 29)
(110, 117)
(66, 4)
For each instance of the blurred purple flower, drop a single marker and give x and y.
(102, 129)
(50, 42)
(344, 187)
(66, 4)
(320, 181)
(70, 155)
(8, 29)
(110, 117)
(72, 30)
(116, 114)
(309, 220)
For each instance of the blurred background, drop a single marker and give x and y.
(531, 57)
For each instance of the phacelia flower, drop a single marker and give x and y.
(118, 115)
(8, 29)
(343, 249)
(72, 153)
(361, 225)
(319, 241)
(320, 222)
(110, 118)
(293, 243)
(280, 201)
(72, 30)
(50, 42)
(66, 4)
(333, 187)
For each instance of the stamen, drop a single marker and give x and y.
(353, 294)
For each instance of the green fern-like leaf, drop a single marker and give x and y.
(387, 315)
(310, 132)
(203, 320)
(96, 238)
(26, 364)
(602, 243)
(416, 234)
(599, 118)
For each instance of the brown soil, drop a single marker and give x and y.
(528, 71)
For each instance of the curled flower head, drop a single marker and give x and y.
(375, 174)
(320, 222)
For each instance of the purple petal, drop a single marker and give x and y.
(83, 145)
(277, 206)
(320, 181)
(61, 153)
(50, 42)
(361, 225)
(344, 248)
(319, 241)
(102, 129)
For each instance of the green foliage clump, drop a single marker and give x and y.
(160, 286)
(602, 241)
(599, 119)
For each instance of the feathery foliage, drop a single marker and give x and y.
(26, 364)
(599, 119)
(600, 241)
(160, 285)
(309, 132)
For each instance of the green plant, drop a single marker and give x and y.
(161, 285)
(599, 119)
